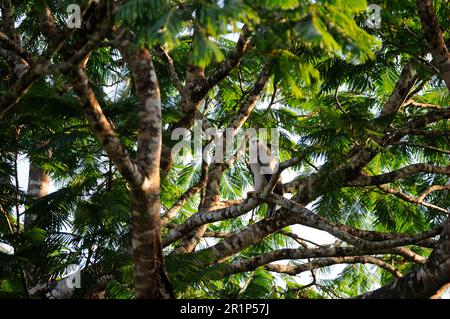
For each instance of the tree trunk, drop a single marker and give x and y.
(38, 187)
(38, 181)
(150, 279)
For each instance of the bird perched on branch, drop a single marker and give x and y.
(263, 165)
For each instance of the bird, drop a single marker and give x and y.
(263, 165)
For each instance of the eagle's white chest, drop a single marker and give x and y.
(259, 178)
(262, 164)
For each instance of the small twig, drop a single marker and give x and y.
(411, 199)
(170, 68)
(416, 90)
(412, 33)
(431, 148)
(413, 103)
(298, 239)
(312, 283)
(274, 95)
(16, 178)
(338, 103)
(8, 222)
(311, 164)
(239, 75)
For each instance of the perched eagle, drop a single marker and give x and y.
(263, 165)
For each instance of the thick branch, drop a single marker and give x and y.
(149, 110)
(435, 38)
(366, 180)
(289, 253)
(47, 24)
(167, 217)
(203, 218)
(104, 132)
(231, 62)
(414, 127)
(294, 213)
(409, 255)
(324, 262)
(170, 68)
(10, 45)
(233, 211)
(427, 280)
(400, 93)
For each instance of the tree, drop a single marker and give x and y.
(363, 119)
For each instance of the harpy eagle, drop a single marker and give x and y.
(263, 165)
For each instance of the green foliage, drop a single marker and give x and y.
(329, 77)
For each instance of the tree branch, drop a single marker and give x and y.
(291, 253)
(435, 38)
(294, 213)
(366, 180)
(170, 68)
(424, 146)
(410, 199)
(324, 262)
(412, 103)
(425, 281)
(167, 217)
(202, 218)
(104, 132)
(404, 84)
(212, 190)
(10, 45)
(231, 62)
(149, 110)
